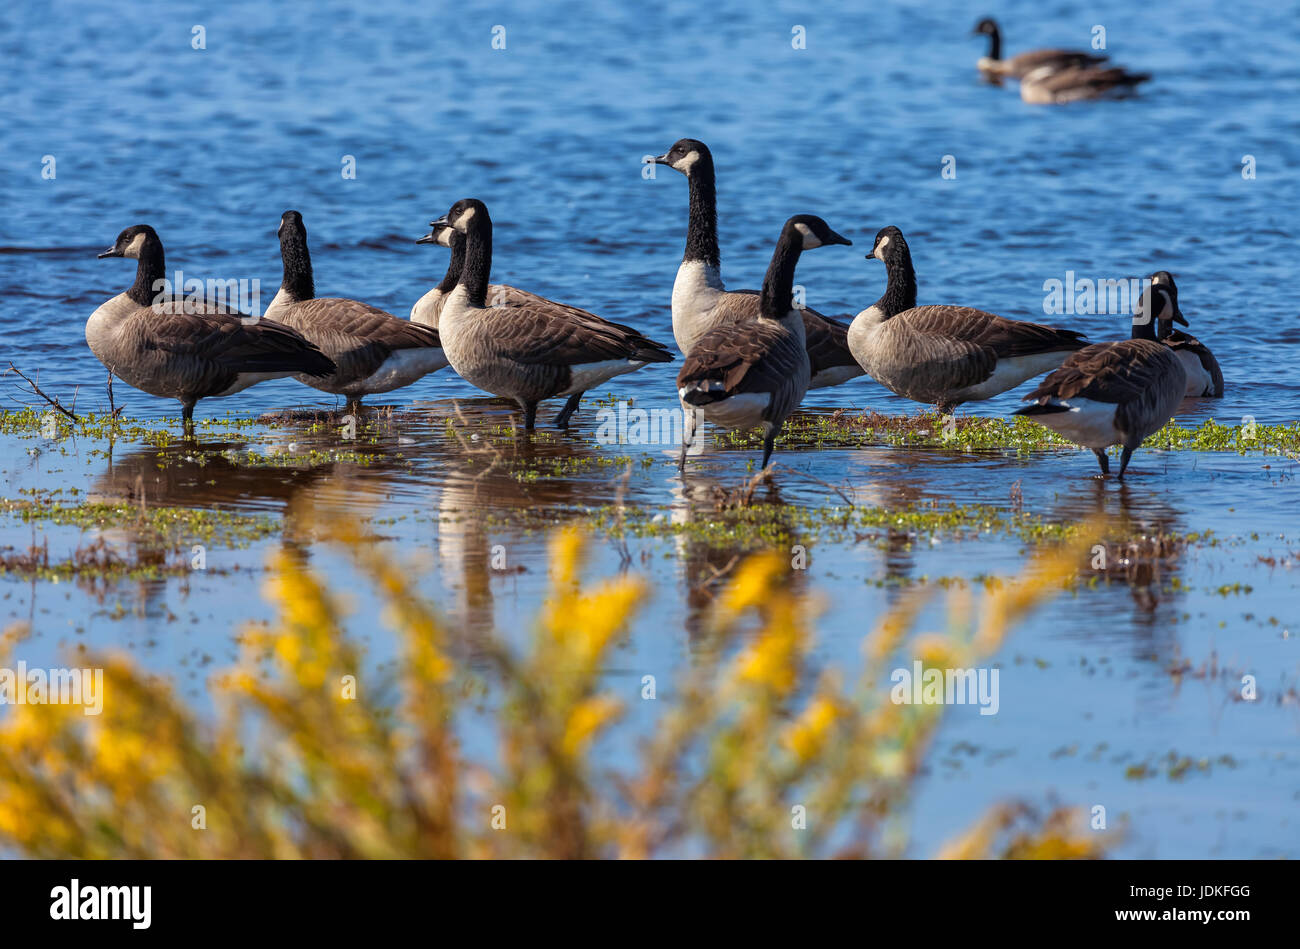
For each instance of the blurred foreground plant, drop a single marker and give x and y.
(303, 761)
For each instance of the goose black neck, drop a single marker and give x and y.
(777, 298)
(297, 281)
(1144, 329)
(149, 271)
(478, 259)
(456, 264)
(995, 44)
(702, 227)
(900, 288)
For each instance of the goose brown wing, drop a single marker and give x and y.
(361, 321)
(215, 335)
(537, 331)
(731, 360)
(1118, 372)
(1182, 341)
(1057, 58)
(826, 339)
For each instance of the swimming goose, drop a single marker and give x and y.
(701, 302)
(533, 349)
(183, 349)
(946, 355)
(755, 373)
(1204, 377)
(373, 350)
(993, 66)
(1115, 393)
(1049, 86)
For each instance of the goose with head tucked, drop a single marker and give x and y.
(754, 373)
(701, 301)
(995, 68)
(1115, 393)
(1204, 377)
(531, 349)
(946, 355)
(176, 347)
(373, 350)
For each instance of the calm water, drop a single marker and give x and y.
(210, 146)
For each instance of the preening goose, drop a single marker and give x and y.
(946, 355)
(1204, 377)
(532, 349)
(993, 66)
(701, 302)
(1048, 86)
(755, 373)
(178, 348)
(1115, 393)
(373, 350)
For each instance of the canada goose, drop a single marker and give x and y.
(755, 373)
(946, 355)
(533, 349)
(701, 302)
(427, 309)
(373, 350)
(1046, 86)
(1204, 377)
(993, 66)
(1115, 393)
(183, 349)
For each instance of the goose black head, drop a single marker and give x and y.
(132, 241)
(291, 225)
(814, 231)
(441, 233)
(889, 244)
(461, 214)
(986, 27)
(1159, 302)
(685, 155)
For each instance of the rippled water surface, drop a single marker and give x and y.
(210, 146)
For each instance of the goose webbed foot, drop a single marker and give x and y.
(571, 406)
(1102, 460)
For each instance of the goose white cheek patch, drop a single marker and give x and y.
(686, 163)
(462, 222)
(133, 249)
(810, 240)
(880, 248)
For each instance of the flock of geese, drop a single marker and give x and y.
(749, 356)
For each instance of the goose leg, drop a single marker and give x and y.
(187, 414)
(1123, 461)
(688, 434)
(530, 416)
(1102, 460)
(562, 420)
(769, 441)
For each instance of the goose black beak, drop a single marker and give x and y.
(429, 238)
(661, 159)
(839, 239)
(441, 222)
(1178, 317)
(111, 252)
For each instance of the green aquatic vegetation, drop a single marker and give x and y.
(173, 527)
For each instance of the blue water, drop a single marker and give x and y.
(210, 146)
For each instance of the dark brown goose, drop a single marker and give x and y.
(175, 347)
(946, 355)
(1115, 393)
(701, 302)
(993, 66)
(373, 350)
(1047, 86)
(533, 349)
(1204, 377)
(755, 373)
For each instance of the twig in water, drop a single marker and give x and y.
(37, 389)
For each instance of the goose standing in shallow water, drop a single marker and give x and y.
(1115, 393)
(428, 308)
(994, 67)
(183, 349)
(373, 350)
(1204, 377)
(533, 349)
(701, 302)
(946, 355)
(755, 373)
